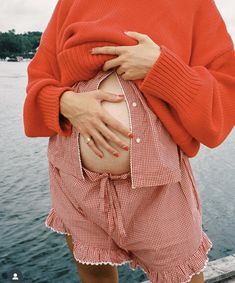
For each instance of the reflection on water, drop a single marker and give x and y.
(43, 255)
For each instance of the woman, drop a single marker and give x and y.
(121, 184)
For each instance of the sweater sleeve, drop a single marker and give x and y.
(41, 110)
(203, 91)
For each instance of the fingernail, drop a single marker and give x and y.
(116, 154)
(100, 156)
(125, 147)
(130, 135)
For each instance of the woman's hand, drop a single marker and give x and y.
(85, 112)
(135, 61)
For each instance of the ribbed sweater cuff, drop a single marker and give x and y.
(49, 101)
(171, 80)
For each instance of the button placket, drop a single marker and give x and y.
(122, 85)
(138, 139)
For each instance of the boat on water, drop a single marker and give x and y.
(14, 59)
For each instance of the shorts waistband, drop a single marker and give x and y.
(96, 175)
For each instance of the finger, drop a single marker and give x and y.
(125, 76)
(115, 124)
(140, 37)
(108, 134)
(99, 139)
(120, 71)
(113, 50)
(111, 63)
(108, 96)
(92, 145)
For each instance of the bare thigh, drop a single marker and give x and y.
(88, 272)
(197, 278)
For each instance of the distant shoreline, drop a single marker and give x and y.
(16, 47)
(24, 60)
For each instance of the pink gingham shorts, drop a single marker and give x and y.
(158, 228)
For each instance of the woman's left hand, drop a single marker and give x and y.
(134, 61)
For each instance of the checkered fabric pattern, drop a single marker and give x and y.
(149, 217)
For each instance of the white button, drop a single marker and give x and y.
(138, 140)
(134, 104)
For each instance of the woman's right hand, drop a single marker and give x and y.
(84, 110)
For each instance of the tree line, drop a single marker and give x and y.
(25, 44)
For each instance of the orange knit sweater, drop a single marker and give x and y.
(190, 87)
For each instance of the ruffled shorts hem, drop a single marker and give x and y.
(83, 253)
(181, 273)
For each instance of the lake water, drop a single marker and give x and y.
(42, 255)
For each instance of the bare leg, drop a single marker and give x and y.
(198, 278)
(94, 273)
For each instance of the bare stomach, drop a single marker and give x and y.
(119, 110)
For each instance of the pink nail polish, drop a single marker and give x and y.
(130, 135)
